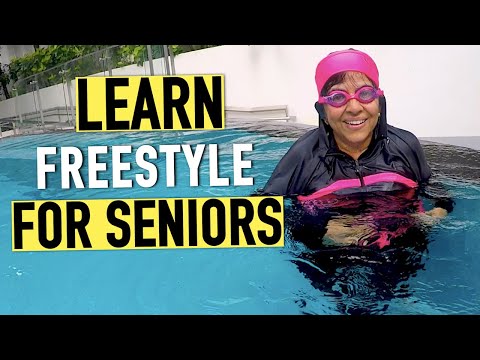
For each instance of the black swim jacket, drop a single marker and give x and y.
(314, 167)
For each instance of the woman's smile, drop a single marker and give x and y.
(355, 124)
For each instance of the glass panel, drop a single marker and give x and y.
(46, 101)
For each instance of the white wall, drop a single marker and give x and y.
(431, 90)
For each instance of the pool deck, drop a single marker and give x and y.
(472, 142)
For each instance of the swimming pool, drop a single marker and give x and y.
(442, 278)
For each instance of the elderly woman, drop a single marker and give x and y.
(353, 150)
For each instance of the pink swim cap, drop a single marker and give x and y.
(345, 60)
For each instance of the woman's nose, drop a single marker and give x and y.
(353, 105)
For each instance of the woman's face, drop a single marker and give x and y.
(354, 122)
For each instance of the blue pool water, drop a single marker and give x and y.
(442, 278)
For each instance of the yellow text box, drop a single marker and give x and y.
(150, 103)
(105, 224)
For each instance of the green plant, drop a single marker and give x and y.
(55, 62)
(4, 80)
(46, 58)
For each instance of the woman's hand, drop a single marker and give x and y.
(346, 231)
(431, 217)
(437, 212)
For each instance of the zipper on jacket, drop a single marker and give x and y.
(359, 174)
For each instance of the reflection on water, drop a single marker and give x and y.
(362, 282)
(361, 277)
